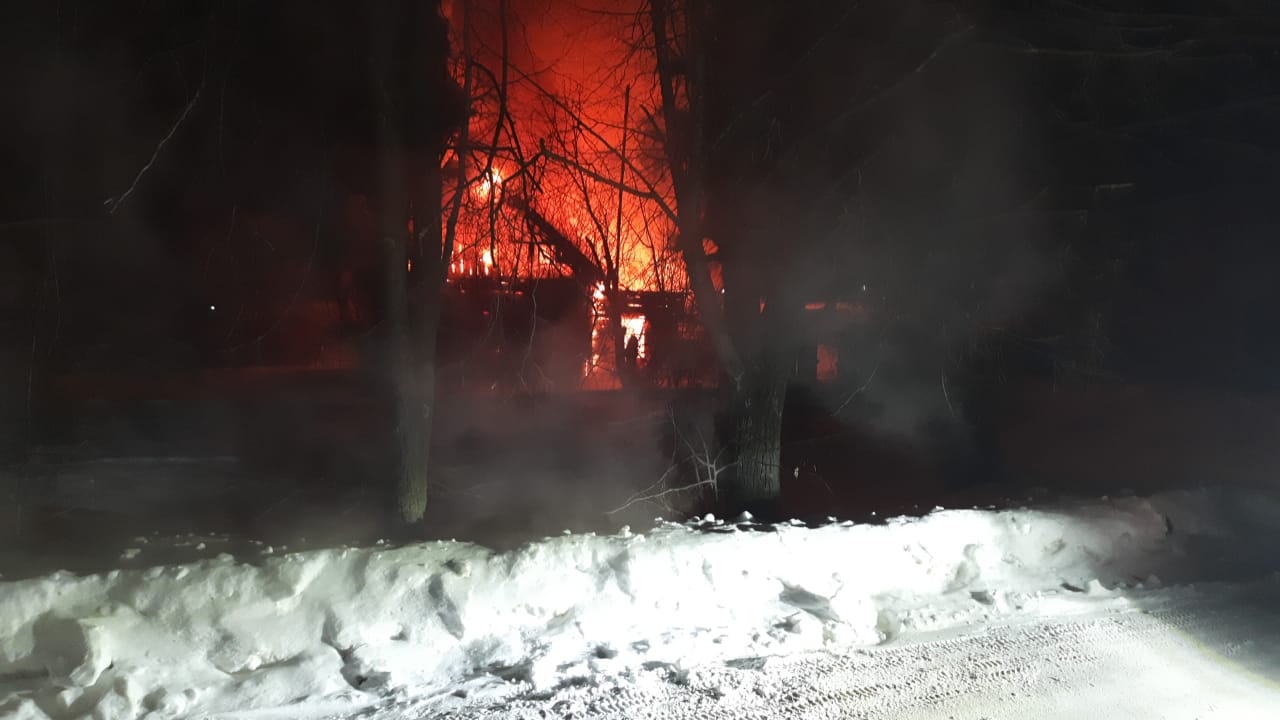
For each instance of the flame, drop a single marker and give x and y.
(597, 318)
(634, 326)
(490, 183)
(563, 48)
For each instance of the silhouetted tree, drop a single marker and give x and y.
(953, 168)
(151, 123)
(407, 40)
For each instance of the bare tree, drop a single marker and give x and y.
(785, 165)
(560, 188)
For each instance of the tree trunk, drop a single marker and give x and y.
(399, 367)
(410, 339)
(409, 195)
(752, 425)
(755, 427)
(415, 415)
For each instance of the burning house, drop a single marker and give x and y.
(556, 320)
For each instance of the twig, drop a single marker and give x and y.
(598, 177)
(946, 395)
(943, 45)
(707, 468)
(297, 292)
(861, 389)
(115, 203)
(658, 495)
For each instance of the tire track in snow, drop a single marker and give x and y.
(1199, 654)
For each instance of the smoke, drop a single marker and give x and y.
(906, 173)
(903, 170)
(513, 467)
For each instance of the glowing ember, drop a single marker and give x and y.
(828, 363)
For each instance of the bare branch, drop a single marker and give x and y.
(649, 185)
(114, 203)
(860, 389)
(707, 466)
(622, 187)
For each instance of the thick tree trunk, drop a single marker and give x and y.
(409, 197)
(755, 424)
(415, 415)
(415, 436)
(751, 429)
(399, 364)
(410, 337)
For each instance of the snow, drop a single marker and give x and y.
(453, 624)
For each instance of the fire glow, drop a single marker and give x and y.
(633, 325)
(489, 185)
(563, 140)
(555, 175)
(634, 330)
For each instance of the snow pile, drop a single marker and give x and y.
(344, 627)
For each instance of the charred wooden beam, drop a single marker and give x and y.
(563, 250)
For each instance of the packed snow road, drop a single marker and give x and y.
(1195, 653)
(1160, 607)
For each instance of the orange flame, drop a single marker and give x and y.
(634, 325)
(561, 52)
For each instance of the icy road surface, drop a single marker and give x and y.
(1194, 653)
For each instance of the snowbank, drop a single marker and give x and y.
(344, 627)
